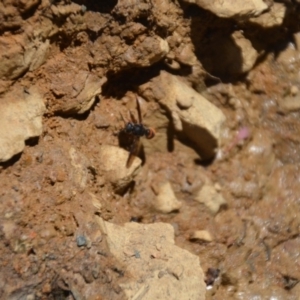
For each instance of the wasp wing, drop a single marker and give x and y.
(134, 151)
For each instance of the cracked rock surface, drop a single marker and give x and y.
(201, 97)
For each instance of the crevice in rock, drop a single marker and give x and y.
(103, 6)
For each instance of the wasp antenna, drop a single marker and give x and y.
(122, 117)
(133, 118)
(138, 109)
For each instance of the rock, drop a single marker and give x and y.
(289, 58)
(96, 202)
(47, 232)
(86, 97)
(259, 158)
(158, 269)
(273, 17)
(113, 164)
(191, 113)
(20, 119)
(201, 235)
(230, 55)
(81, 241)
(166, 201)
(74, 89)
(148, 52)
(185, 103)
(27, 4)
(231, 8)
(210, 198)
(18, 55)
(79, 172)
(187, 56)
(289, 103)
(248, 53)
(172, 63)
(64, 10)
(260, 153)
(101, 121)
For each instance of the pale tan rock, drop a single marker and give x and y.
(20, 119)
(294, 90)
(273, 17)
(86, 98)
(158, 269)
(248, 53)
(79, 172)
(192, 114)
(232, 8)
(19, 55)
(112, 161)
(210, 198)
(296, 38)
(172, 64)
(63, 10)
(96, 202)
(76, 88)
(28, 4)
(187, 56)
(184, 103)
(148, 52)
(166, 200)
(201, 235)
(289, 103)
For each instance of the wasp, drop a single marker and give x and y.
(134, 130)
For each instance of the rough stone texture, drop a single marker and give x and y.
(238, 56)
(150, 51)
(248, 53)
(112, 161)
(79, 170)
(201, 236)
(166, 201)
(210, 198)
(158, 268)
(21, 118)
(20, 54)
(191, 113)
(273, 17)
(231, 8)
(75, 88)
(51, 246)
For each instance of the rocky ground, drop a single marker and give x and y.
(210, 208)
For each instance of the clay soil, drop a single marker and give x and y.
(49, 241)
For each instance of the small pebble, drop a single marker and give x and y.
(201, 235)
(294, 90)
(81, 241)
(166, 201)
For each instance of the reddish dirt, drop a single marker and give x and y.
(50, 243)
